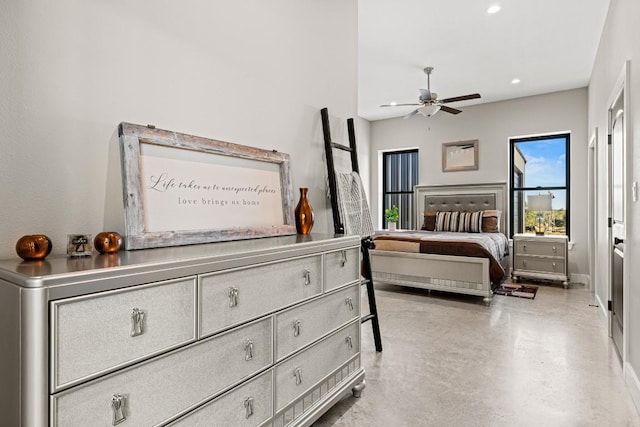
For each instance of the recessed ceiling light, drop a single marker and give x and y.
(493, 9)
(393, 103)
(515, 81)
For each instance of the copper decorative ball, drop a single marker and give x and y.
(33, 247)
(107, 242)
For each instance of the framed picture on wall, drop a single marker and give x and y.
(460, 156)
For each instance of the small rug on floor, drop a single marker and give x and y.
(513, 290)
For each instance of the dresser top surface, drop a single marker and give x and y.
(170, 262)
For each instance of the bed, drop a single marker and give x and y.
(449, 261)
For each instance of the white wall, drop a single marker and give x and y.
(493, 124)
(363, 128)
(619, 43)
(252, 72)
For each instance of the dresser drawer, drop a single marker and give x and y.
(295, 376)
(300, 326)
(156, 391)
(341, 267)
(231, 297)
(543, 248)
(98, 333)
(540, 265)
(248, 405)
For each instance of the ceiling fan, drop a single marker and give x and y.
(428, 102)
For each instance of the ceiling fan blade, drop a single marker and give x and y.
(411, 114)
(450, 110)
(425, 95)
(398, 105)
(461, 98)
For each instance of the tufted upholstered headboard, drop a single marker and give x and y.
(468, 198)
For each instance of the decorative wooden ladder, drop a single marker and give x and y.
(367, 242)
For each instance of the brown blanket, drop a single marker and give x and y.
(443, 247)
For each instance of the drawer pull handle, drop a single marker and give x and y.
(307, 277)
(298, 374)
(137, 316)
(233, 296)
(524, 263)
(248, 406)
(554, 265)
(555, 249)
(296, 327)
(349, 341)
(524, 248)
(349, 302)
(343, 260)
(117, 405)
(248, 350)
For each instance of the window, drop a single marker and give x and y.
(400, 175)
(540, 167)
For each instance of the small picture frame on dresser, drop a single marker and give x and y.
(79, 245)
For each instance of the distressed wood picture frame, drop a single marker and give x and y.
(460, 156)
(181, 189)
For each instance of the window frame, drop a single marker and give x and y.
(385, 155)
(567, 187)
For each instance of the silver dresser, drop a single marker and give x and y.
(262, 332)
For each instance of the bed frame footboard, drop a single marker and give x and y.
(463, 275)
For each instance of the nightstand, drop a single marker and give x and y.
(540, 257)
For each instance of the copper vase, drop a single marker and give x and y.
(33, 247)
(107, 242)
(304, 213)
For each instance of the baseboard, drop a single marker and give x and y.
(631, 379)
(603, 308)
(581, 278)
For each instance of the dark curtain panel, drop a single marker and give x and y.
(400, 176)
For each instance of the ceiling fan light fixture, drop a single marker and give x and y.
(428, 103)
(429, 110)
(515, 81)
(493, 9)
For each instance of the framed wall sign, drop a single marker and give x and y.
(460, 156)
(181, 189)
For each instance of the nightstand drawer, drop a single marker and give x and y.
(541, 265)
(229, 298)
(544, 248)
(95, 334)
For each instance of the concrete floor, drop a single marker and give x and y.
(450, 361)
